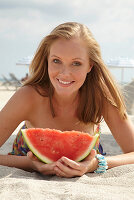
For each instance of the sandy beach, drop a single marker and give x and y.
(117, 183)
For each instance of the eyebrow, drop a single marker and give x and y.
(77, 58)
(55, 56)
(72, 59)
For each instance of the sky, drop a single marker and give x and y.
(23, 24)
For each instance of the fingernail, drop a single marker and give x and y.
(63, 158)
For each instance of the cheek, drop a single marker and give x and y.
(81, 75)
(51, 70)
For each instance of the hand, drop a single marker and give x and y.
(37, 165)
(65, 167)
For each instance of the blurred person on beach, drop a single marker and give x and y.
(24, 78)
(69, 88)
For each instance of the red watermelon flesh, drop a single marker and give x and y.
(49, 145)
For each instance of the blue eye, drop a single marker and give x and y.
(56, 61)
(76, 63)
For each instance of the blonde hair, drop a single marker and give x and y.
(99, 85)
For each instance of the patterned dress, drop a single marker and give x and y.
(20, 147)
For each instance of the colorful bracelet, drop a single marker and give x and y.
(102, 165)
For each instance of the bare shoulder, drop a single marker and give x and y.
(21, 104)
(28, 94)
(20, 107)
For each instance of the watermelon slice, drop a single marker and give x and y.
(50, 145)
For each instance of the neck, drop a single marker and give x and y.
(65, 101)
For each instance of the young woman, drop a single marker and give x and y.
(69, 88)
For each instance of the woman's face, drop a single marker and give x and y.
(68, 65)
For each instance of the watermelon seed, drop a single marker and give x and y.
(55, 152)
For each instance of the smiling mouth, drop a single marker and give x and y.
(65, 82)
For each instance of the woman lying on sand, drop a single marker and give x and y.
(69, 88)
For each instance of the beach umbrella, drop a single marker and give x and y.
(25, 61)
(126, 65)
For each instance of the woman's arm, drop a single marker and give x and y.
(123, 159)
(18, 109)
(21, 162)
(123, 132)
(28, 163)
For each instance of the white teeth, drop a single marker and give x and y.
(63, 82)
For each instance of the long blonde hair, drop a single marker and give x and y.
(99, 85)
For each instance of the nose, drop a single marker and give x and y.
(65, 70)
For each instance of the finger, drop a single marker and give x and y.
(91, 155)
(43, 168)
(32, 156)
(48, 167)
(66, 171)
(70, 163)
(61, 173)
(29, 154)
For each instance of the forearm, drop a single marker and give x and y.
(21, 162)
(114, 161)
(122, 159)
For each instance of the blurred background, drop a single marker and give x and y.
(23, 24)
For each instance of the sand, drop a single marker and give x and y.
(116, 183)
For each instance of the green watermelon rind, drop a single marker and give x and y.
(91, 146)
(46, 159)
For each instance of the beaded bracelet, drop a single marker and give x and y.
(102, 165)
